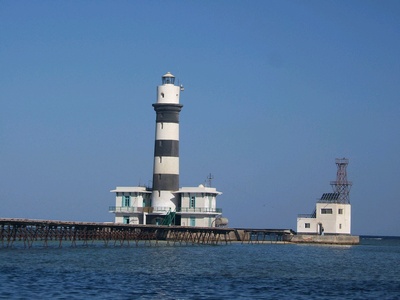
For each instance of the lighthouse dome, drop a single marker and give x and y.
(168, 78)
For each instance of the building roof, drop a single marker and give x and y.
(142, 189)
(199, 189)
(131, 189)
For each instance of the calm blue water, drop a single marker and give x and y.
(237, 271)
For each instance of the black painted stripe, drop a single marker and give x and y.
(167, 113)
(165, 182)
(166, 148)
(167, 107)
(167, 117)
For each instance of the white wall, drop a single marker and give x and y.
(201, 221)
(137, 196)
(202, 200)
(337, 222)
(301, 225)
(136, 199)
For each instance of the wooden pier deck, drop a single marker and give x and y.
(29, 232)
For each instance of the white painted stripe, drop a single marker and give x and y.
(168, 94)
(166, 165)
(167, 131)
(163, 201)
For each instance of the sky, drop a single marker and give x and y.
(274, 92)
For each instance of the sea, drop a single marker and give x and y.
(370, 270)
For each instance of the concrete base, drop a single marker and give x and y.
(325, 239)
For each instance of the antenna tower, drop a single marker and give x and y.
(341, 185)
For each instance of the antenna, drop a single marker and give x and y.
(210, 177)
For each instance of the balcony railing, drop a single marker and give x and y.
(198, 210)
(310, 216)
(134, 209)
(127, 209)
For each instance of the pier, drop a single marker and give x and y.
(261, 236)
(28, 233)
(45, 232)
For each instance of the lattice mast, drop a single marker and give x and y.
(341, 185)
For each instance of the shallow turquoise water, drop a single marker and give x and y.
(237, 271)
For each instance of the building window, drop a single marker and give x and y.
(326, 211)
(192, 202)
(126, 220)
(126, 200)
(192, 221)
(340, 226)
(340, 211)
(307, 225)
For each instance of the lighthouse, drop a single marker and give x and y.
(164, 202)
(166, 147)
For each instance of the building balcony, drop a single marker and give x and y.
(135, 209)
(199, 210)
(128, 209)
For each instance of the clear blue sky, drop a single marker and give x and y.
(274, 92)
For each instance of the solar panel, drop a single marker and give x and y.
(330, 196)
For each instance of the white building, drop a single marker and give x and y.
(196, 206)
(332, 214)
(330, 217)
(131, 204)
(165, 203)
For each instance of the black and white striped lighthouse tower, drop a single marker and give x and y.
(166, 148)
